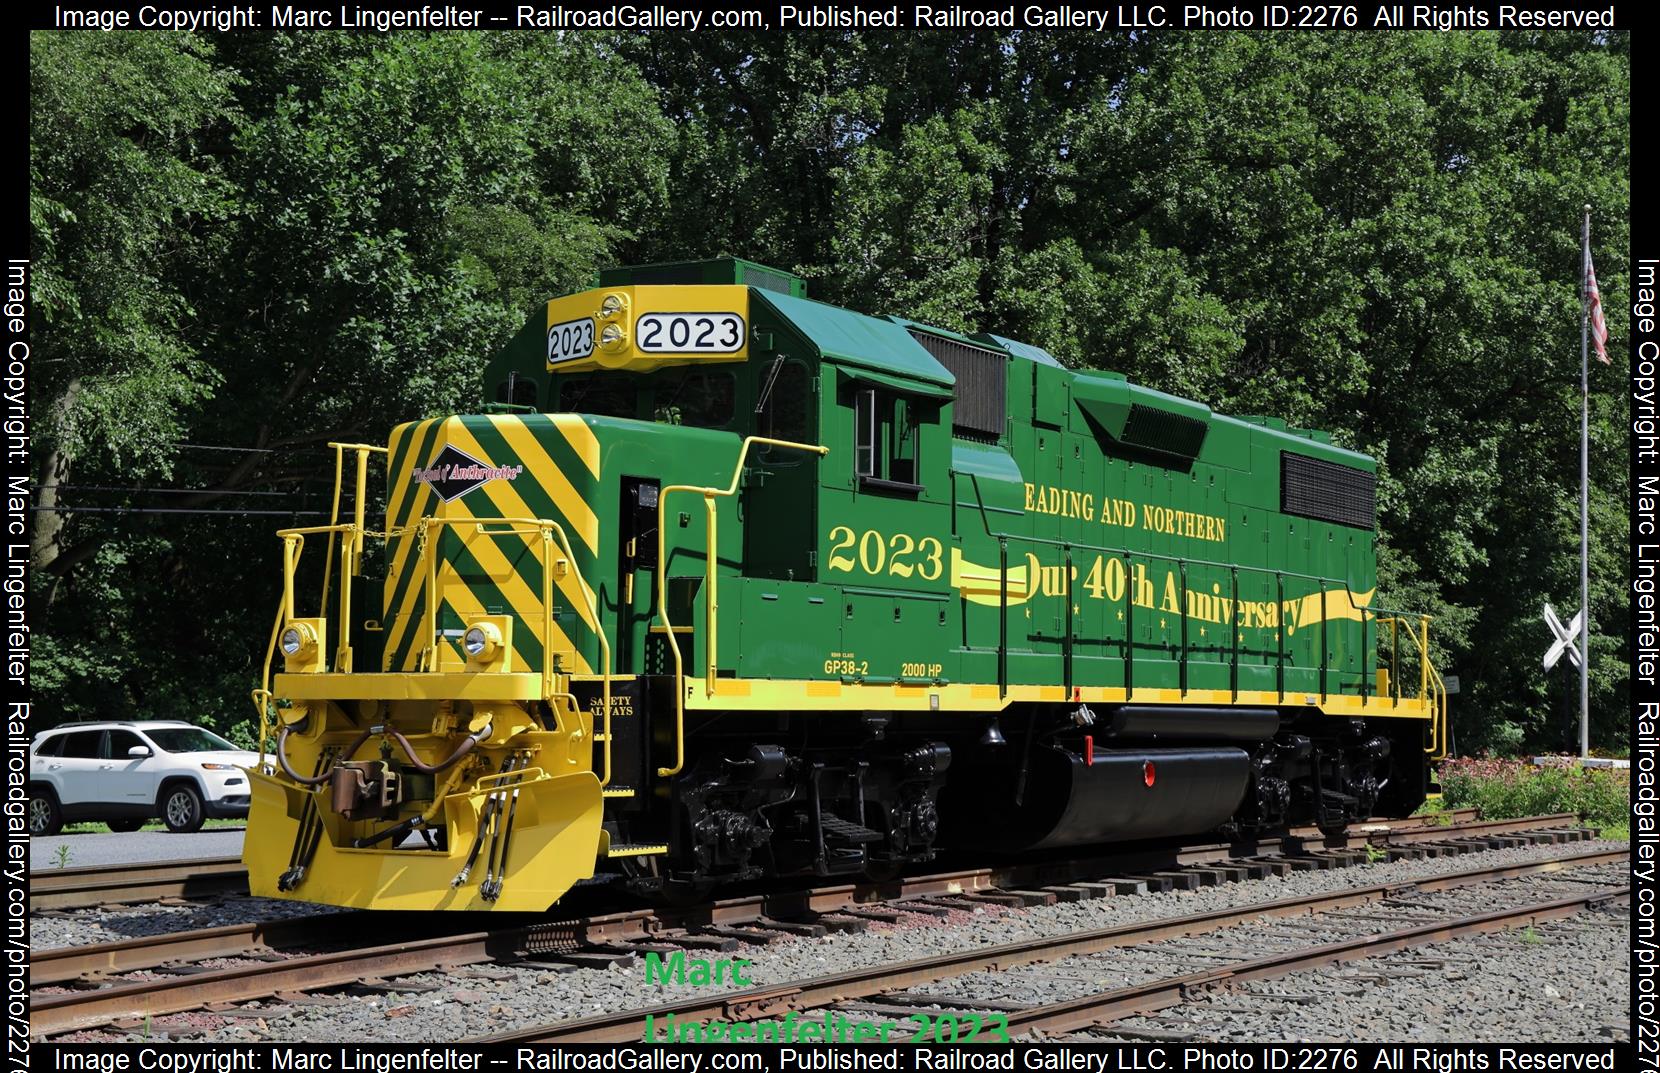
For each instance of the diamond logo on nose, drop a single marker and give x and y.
(454, 473)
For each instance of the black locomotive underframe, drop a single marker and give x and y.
(850, 793)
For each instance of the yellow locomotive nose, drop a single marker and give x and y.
(537, 835)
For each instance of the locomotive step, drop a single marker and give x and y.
(839, 830)
(627, 849)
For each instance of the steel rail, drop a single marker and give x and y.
(75, 888)
(54, 966)
(1089, 1011)
(58, 965)
(869, 981)
(57, 1013)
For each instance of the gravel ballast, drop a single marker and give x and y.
(84, 927)
(439, 1007)
(1564, 981)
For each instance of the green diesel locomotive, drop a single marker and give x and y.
(724, 582)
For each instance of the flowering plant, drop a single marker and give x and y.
(1503, 789)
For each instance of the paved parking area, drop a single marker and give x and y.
(105, 847)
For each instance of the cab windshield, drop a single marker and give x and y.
(190, 740)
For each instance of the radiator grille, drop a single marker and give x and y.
(982, 383)
(1160, 430)
(1327, 491)
(768, 280)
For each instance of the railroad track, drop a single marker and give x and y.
(263, 960)
(885, 989)
(76, 888)
(210, 877)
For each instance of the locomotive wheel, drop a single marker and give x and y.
(680, 893)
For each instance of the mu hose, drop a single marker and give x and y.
(467, 745)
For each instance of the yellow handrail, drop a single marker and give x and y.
(350, 559)
(710, 603)
(1432, 688)
(549, 530)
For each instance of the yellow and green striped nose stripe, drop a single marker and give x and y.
(499, 573)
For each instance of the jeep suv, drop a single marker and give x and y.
(126, 773)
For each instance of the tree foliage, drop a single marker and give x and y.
(291, 239)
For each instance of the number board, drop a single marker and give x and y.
(690, 333)
(643, 327)
(570, 340)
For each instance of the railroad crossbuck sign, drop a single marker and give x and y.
(1566, 636)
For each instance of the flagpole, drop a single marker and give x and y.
(1585, 490)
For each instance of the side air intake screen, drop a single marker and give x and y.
(982, 382)
(768, 280)
(1314, 488)
(1160, 430)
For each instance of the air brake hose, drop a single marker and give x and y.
(486, 819)
(282, 757)
(461, 750)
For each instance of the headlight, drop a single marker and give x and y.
(295, 639)
(611, 336)
(480, 642)
(219, 767)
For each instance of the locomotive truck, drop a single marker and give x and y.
(720, 582)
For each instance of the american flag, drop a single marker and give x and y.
(1599, 327)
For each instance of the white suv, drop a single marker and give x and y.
(126, 773)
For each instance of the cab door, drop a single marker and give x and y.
(780, 496)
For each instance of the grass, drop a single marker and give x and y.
(150, 825)
(1505, 789)
(60, 856)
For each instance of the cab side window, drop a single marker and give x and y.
(785, 410)
(887, 437)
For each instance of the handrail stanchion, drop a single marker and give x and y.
(1279, 634)
(1365, 656)
(1181, 564)
(711, 552)
(1325, 656)
(1066, 669)
(1423, 657)
(1395, 656)
(334, 520)
(1234, 628)
(1129, 625)
(1003, 617)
